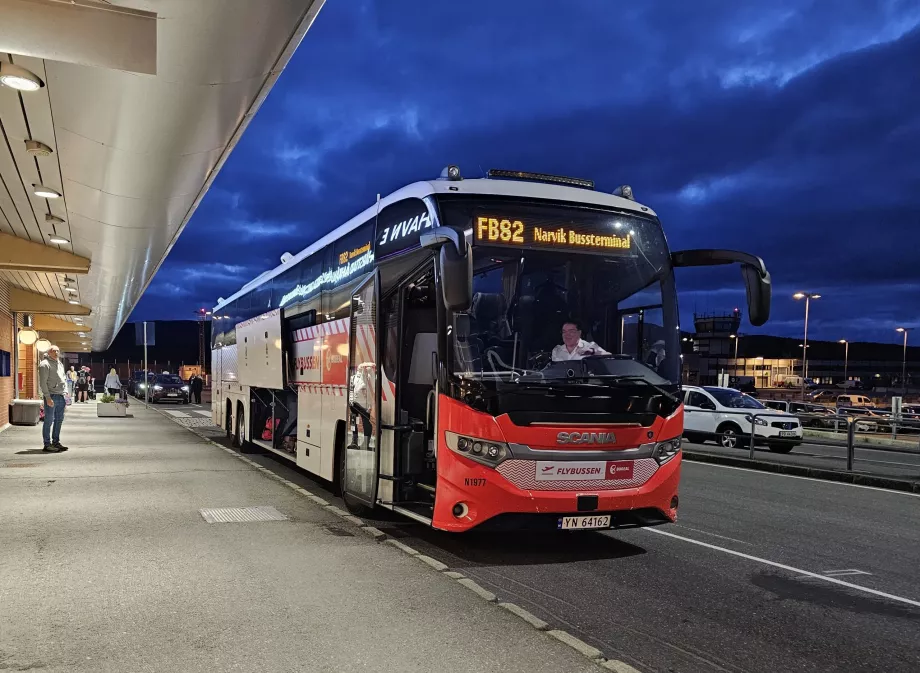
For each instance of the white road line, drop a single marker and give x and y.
(706, 532)
(805, 573)
(847, 571)
(176, 414)
(795, 476)
(206, 414)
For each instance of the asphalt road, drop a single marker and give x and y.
(896, 464)
(762, 573)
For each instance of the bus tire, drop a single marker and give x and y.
(729, 436)
(339, 445)
(239, 436)
(352, 505)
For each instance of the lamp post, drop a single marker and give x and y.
(904, 330)
(807, 296)
(846, 358)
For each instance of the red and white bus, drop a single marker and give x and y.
(474, 353)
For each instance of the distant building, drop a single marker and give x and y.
(711, 350)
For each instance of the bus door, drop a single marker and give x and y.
(362, 443)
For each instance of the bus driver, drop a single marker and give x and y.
(573, 347)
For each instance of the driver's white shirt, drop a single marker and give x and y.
(582, 350)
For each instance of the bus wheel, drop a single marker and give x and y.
(239, 438)
(228, 421)
(352, 505)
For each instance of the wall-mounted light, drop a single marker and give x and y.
(45, 192)
(58, 240)
(72, 301)
(37, 148)
(19, 78)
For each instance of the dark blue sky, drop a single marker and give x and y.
(789, 129)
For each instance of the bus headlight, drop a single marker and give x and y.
(484, 451)
(666, 450)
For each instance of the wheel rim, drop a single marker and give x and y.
(729, 439)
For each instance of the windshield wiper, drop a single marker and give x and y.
(641, 379)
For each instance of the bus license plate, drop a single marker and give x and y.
(787, 433)
(583, 522)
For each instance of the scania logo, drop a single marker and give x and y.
(586, 438)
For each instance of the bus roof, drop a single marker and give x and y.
(487, 186)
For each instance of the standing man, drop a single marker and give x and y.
(51, 381)
(197, 387)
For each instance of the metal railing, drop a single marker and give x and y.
(739, 428)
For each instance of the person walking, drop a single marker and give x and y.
(82, 385)
(113, 383)
(51, 381)
(196, 384)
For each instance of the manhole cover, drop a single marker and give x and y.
(241, 514)
(20, 465)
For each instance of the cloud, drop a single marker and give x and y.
(787, 130)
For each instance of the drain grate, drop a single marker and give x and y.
(332, 530)
(241, 514)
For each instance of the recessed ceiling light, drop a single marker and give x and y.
(72, 301)
(45, 192)
(72, 290)
(19, 78)
(37, 148)
(60, 240)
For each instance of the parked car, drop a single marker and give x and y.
(136, 383)
(809, 415)
(168, 388)
(719, 413)
(863, 420)
(850, 401)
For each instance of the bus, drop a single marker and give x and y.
(495, 353)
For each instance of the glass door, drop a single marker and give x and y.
(359, 482)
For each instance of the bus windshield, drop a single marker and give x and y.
(559, 315)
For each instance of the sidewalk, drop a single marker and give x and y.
(107, 565)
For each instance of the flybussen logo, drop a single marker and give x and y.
(586, 438)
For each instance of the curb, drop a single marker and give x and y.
(858, 478)
(583, 648)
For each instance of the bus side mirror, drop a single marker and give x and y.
(754, 272)
(455, 261)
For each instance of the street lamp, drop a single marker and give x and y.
(905, 330)
(807, 296)
(846, 358)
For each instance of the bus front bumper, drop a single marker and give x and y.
(470, 495)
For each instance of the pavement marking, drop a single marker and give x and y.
(528, 617)
(176, 414)
(706, 532)
(241, 514)
(804, 573)
(848, 571)
(578, 645)
(206, 414)
(795, 476)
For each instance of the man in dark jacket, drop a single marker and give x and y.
(196, 385)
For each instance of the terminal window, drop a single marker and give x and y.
(5, 363)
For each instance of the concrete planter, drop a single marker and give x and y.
(111, 409)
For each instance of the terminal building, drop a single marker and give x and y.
(717, 346)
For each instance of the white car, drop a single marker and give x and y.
(727, 415)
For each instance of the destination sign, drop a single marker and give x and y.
(594, 236)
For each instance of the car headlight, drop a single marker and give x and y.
(141, 385)
(666, 450)
(484, 451)
(184, 389)
(756, 420)
(158, 387)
